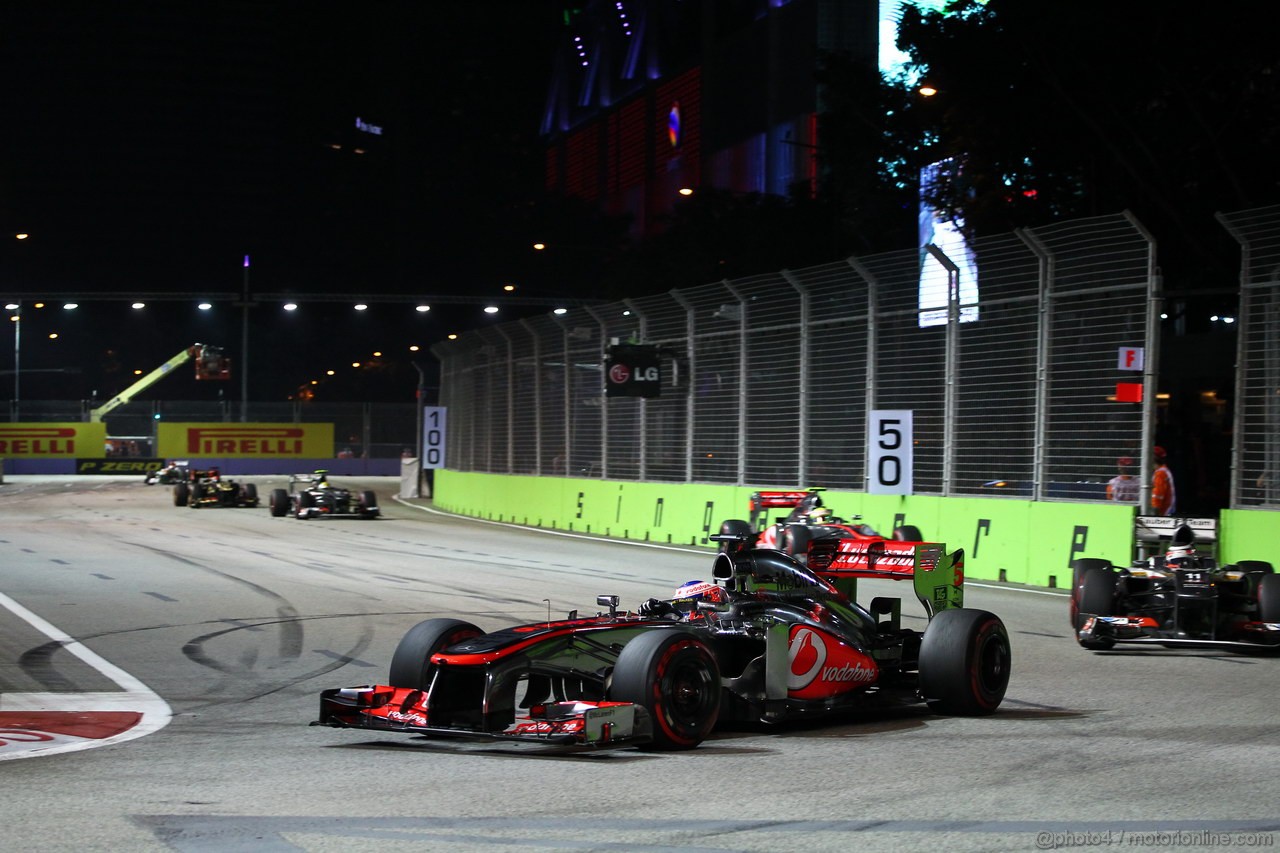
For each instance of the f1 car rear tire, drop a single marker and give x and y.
(368, 505)
(1269, 598)
(306, 501)
(279, 503)
(250, 494)
(908, 533)
(964, 662)
(675, 677)
(411, 663)
(181, 493)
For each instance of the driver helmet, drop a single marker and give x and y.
(1180, 555)
(819, 514)
(697, 590)
(1182, 547)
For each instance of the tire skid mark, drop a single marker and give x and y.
(37, 664)
(339, 660)
(290, 647)
(279, 558)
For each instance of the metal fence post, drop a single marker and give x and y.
(1151, 359)
(873, 311)
(537, 395)
(510, 397)
(949, 366)
(642, 462)
(1044, 287)
(604, 398)
(740, 475)
(691, 409)
(1242, 349)
(802, 458)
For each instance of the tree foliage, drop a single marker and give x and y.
(1066, 109)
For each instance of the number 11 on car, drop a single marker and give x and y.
(889, 456)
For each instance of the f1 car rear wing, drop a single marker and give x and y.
(1152, 533)
(761, 501)
(938, 577)
(309, 477)
(773, 500)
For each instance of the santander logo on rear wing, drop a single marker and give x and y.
(938, 577)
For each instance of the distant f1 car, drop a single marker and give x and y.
(313, 496)
(808, 520)
(769, 640)
(1180, 598)
(205, 488)
(170, 474)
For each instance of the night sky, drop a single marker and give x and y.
(151, 145)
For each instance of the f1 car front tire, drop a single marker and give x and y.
(1078, 568)
(964, 662)
(1269, 598)
(181, 493)
(1095, 594)
(306, 501)
(411, 663)
(675, 677)
(279, 503)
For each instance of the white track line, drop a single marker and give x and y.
(136, 696)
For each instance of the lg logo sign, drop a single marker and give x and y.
(632, 370)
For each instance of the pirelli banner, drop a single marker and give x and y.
(245, 441)
(51, 440)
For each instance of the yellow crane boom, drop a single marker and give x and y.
(210, 364)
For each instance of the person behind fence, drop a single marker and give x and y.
(1124, 487)
(1164, 500)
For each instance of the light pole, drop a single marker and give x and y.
(16, 307)
(420, 398)
(245, 305)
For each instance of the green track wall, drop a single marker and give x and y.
(1018, 541)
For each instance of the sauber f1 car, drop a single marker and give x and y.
(808, 520)
(313, 496)
(207, 488)
(1180, 598)
(769, 640)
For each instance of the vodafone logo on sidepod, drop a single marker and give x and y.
(818, 670)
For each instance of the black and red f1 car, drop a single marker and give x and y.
(769, 640)
(206, 487)
(808, 520)
(1180, 598)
